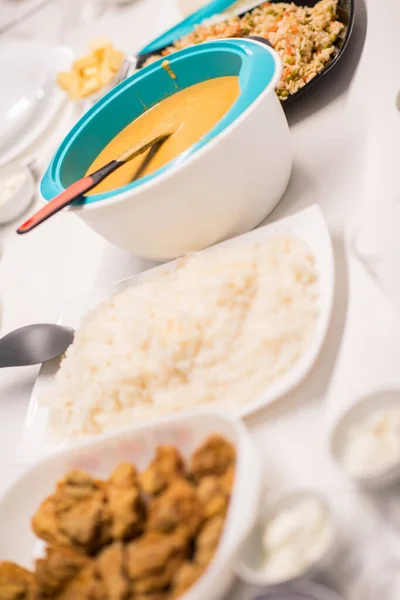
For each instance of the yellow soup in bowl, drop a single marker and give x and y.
(190, 113)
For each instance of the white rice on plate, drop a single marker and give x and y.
(216, 332)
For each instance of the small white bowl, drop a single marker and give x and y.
(21, 197)
(302, 590)
(378, 399)
(249, 567)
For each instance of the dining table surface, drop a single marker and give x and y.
(346, 136)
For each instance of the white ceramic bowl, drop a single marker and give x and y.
(137, 445)
(377, 400)
(249, 564)
(301, 590)
(224, 185)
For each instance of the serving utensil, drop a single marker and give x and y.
(77, 189)
(34, 344)
(128, 64)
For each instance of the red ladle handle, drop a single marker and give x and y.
(75, 191)
(66, 197)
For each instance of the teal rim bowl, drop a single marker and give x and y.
(256, 65)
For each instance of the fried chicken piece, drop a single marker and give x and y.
(46, 526)
(228, 480)
(78, 485)
(110, 566)
(214, 457)
(213, 496)
(161, 580)
(178, 506)
(151, 553)
(127, 513)
(208, 540)
(125, 502)
(16, 583)
(124, 476)
(153, 596)
(185, 577)
(86, 523)
(57, 569)
(76, 515)
(85, 586)
(166, 466)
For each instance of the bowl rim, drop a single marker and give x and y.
(51, 185)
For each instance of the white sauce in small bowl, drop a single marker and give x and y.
(295, 538)
(372, 445)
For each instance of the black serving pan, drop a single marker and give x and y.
(345, 14)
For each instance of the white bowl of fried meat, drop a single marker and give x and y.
(153, 513)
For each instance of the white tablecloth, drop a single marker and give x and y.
(332, 136)
(13, 11)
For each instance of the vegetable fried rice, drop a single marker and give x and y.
(306, 38)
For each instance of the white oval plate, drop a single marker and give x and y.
(309, 225)
(30, 99)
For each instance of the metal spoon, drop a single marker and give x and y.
(128, 64)
(34, 344)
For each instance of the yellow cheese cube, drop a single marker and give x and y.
(90, 86)
(106, 74)
(90, 71)
(113, 58)
(69, 82)
(64, 80)
(87, 60)
(99, 46)
(74, 91)
(100, 43)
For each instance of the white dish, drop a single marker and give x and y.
(309, 225)
(249, 564)
(20, 198)
(101, 456)
(30, 99)
(376, 400)
(302, 590)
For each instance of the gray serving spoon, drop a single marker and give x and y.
(34, 344)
